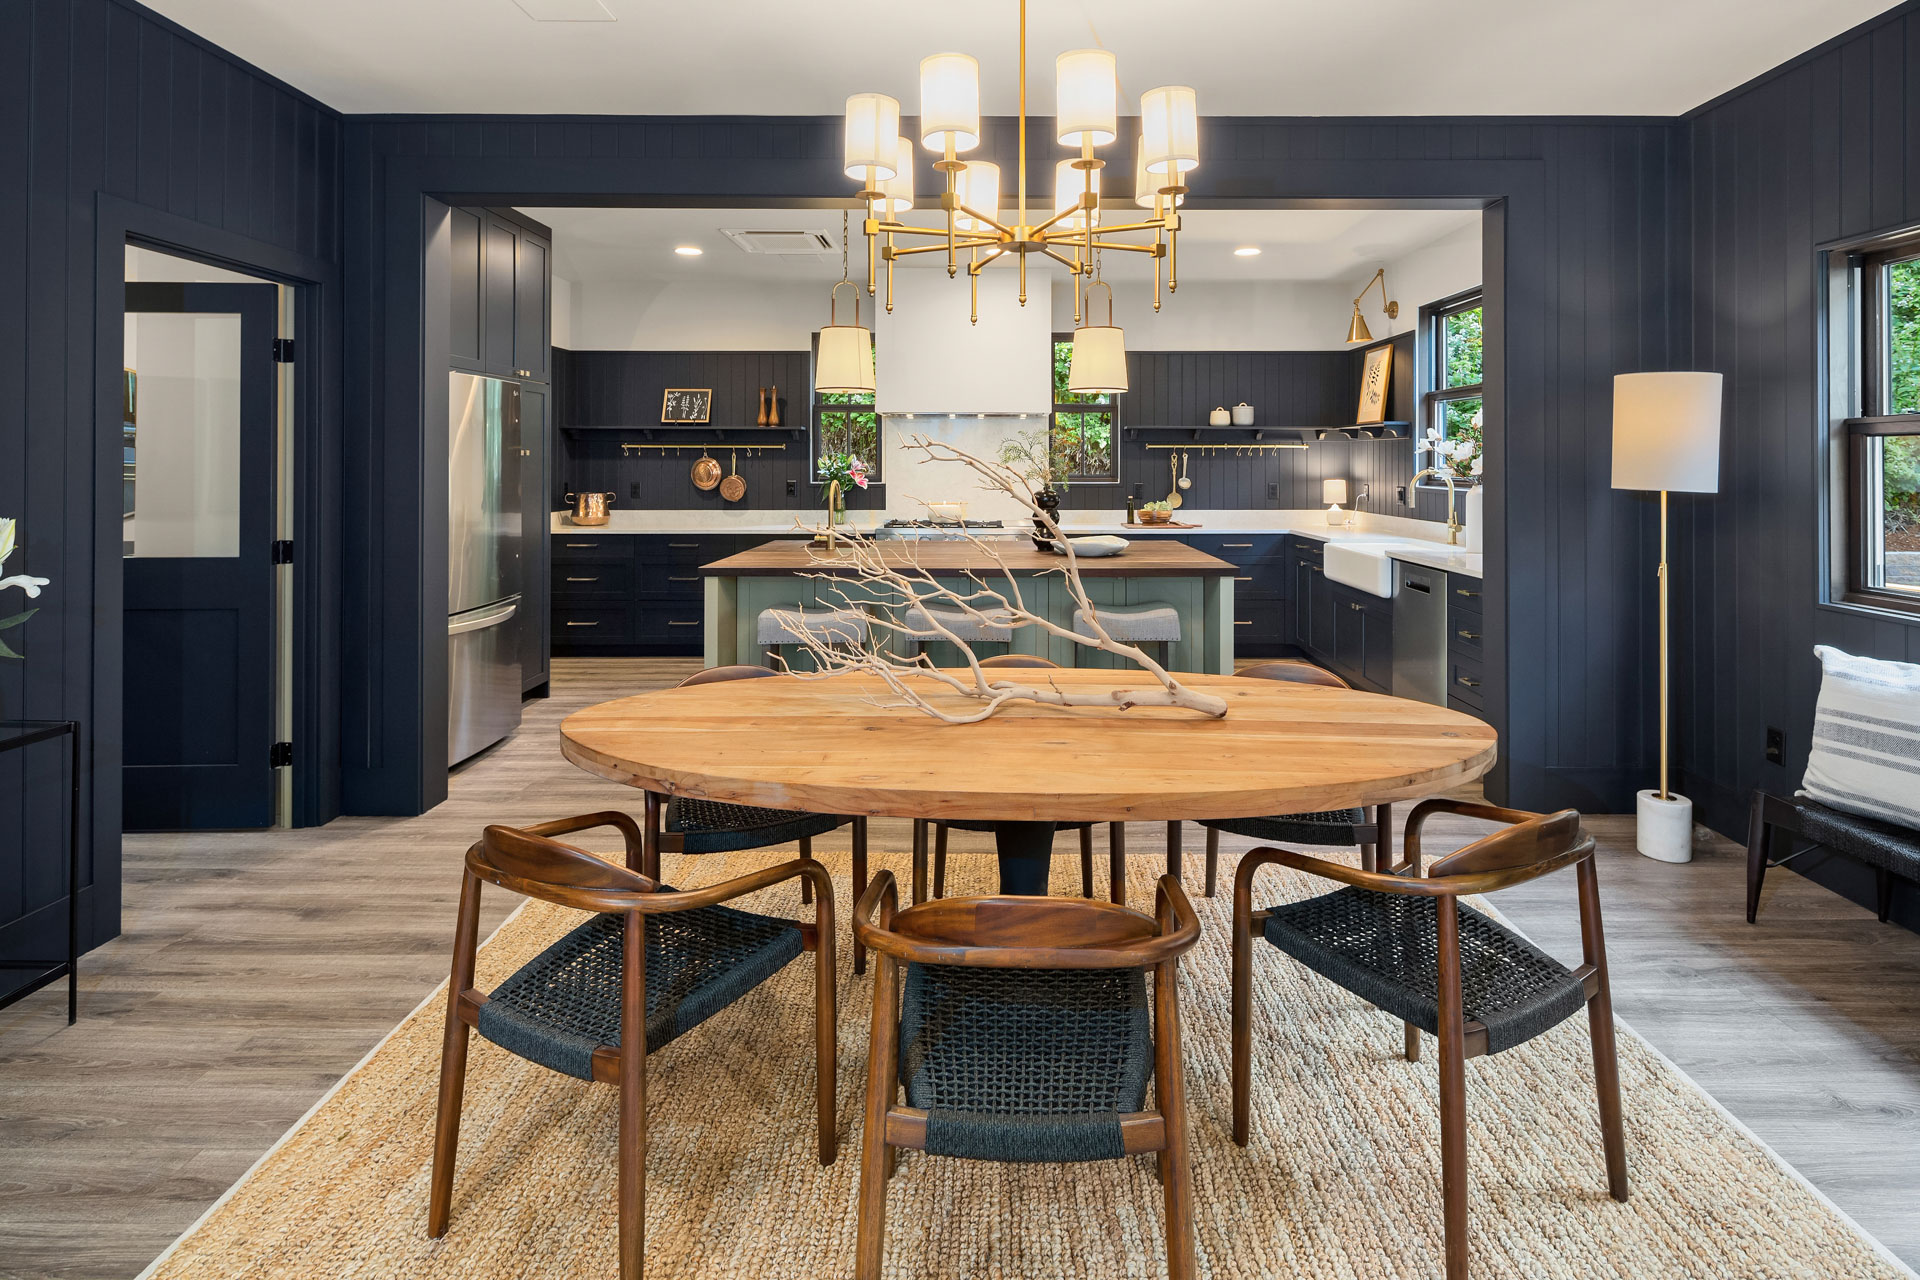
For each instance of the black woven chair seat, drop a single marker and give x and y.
(708, 826)
(565, 1002)
(1022, 1064)
(1384, 947)
(969, 824)
(1331, 826)
(1878, 844)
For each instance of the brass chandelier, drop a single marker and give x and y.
(1087, 87)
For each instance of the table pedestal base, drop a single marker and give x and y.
(1026, 856)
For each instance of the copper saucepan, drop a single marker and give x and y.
(591, 508)
(706, 472)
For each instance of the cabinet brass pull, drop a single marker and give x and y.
(1243, 622)
(583, 624)
(683, 545)
(683, 624)
(1462, 591)
(579, 544)
(1468, 635)
(1243, 579)
(1236, 546)
(1471, 684)
(583, 579)
(695, 578)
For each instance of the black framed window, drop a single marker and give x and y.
(1450, 408)
(1883, 442)
(1085, 428)
(845, 424)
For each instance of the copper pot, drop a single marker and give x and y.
(591, 508)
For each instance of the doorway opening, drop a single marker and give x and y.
(205, 513)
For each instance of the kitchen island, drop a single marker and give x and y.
(781, 574)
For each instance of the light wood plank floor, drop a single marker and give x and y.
(257, 967)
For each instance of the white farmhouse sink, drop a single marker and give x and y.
(1364, 566)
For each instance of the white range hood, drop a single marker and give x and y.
(931, 360)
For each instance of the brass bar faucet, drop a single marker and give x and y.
(1453, 520)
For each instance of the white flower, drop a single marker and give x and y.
(1475, 469)
(8, 538)
(1476, 419)
(1463, 449)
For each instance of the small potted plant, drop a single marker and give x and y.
(1039, 460)
(850, 472)
(26, 582)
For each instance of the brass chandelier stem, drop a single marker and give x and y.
(1022, 223)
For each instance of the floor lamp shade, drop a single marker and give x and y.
(1666, 432)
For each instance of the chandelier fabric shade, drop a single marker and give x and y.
(1170, 129)
(846, 350)
(950, 101)
(1086, 97)
(1146, 186)
(1069, 184)
(873, 125)
(897, 191)
(978, 187)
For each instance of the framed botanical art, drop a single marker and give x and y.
(1375, 380)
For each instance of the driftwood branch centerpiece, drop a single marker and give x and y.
(888, 583)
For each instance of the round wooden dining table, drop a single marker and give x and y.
(840, 745)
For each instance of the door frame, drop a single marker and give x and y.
(315, 473)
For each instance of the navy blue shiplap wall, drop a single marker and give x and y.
(1585, 268)
(1827, 148)
(114, 121)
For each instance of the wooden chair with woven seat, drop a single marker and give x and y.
(1371, 828)
(1408, 946)
(708, 826)
(1019, 1031)
(1116, 831)
(648, 966)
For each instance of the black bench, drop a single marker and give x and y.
(1890, 850)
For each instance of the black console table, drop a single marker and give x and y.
(14, 736)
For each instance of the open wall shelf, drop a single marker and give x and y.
(1228, 435)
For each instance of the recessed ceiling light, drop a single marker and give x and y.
(565, 10)
(688, 250)
(1247, 251)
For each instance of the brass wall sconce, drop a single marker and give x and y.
(1357, 330)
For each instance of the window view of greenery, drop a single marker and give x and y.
(1082, 436)
(1899, 461)
(1456, 399)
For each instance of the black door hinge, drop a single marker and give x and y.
(283, 551)
(280, 755)
(283, 350)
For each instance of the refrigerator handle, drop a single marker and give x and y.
(480, 620)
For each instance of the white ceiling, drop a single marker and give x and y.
(1246, 57)
(1296, 245)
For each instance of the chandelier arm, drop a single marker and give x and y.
(1125, 248)
(1040, 232)
(1120, 227)
(1066, 262)
(977, 216)
(909, 229)
(940, 248)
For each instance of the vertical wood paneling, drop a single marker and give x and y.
(99, 97)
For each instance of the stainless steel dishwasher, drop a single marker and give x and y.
(1419, 633)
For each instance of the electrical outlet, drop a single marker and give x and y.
(633, 489)
(1139, 489)
(1404, 500)
(790, 488)
(1273, 489)
(1776, 746)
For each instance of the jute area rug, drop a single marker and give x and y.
(1340, 1181)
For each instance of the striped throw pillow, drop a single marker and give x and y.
(1866, 738)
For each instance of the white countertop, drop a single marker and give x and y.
(1398, 538)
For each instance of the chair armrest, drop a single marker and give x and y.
(628, 828)
(1179, 925)
(661, 902)
(881, 889)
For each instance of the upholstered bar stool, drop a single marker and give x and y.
(1149, 624)
(780, 627)
(960, 624)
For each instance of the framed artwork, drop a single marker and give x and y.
(686, 404)
(1376, 379)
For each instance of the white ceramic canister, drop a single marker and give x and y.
(1243, 414)
(1219, 417)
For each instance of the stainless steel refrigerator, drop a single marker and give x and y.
(483, 570)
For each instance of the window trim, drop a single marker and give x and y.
(1432, 361)
(1869, 374)
(1110, 406)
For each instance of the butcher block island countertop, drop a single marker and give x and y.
(1147, 558)
(1152, 572)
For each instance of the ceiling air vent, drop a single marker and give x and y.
(783, 244)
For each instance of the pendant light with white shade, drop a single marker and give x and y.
(1099, 365)
(845, 363)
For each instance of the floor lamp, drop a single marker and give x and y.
(1666, 438)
